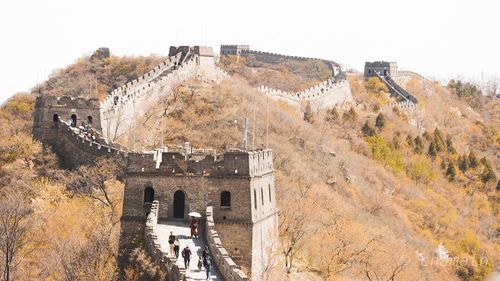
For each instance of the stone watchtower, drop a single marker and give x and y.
(238, 184)
(382, 67)
(49, 109)
(235, 50)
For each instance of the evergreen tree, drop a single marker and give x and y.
(463, 163)
(449, 145)
(332, 115)
(498, 185)
(432, 151)
(488, 173)
(380, 121)
(396, 143)
(409, 141)
(350, 116)
(439, 141)
(451, 172)
(368, 130)
(473, 160)
(308, 115)
(443, 164)
(419, 145)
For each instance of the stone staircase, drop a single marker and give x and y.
(396, 89)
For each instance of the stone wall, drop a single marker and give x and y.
(411, 73)
(74, 149)
(226, 265)
(120, 107)
(324, 95)
(152, 245)
(273, 58)
(403, 106)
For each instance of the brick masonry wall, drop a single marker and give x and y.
(226, 265)
(199, 191)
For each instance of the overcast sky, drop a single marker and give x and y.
(442, 38)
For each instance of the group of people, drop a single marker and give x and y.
(87, 131)
(203, 261)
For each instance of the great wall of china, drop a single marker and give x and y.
(239, 235)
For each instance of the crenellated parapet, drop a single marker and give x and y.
(226, 265)
(74, 149)
(411, 73)
(153, 247)
(324, 95)
(187, 161)
(403, 106)
(322, 89)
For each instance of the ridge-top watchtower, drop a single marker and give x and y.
(49, 109)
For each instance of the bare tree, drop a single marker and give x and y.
(91, 180)
(15, 223)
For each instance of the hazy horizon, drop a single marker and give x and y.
(437, 39)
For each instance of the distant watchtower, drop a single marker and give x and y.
(233, 49)
(49, 109)
(382, 67)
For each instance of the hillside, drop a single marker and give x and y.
(277, 72)
(405, 200)
(362, 194)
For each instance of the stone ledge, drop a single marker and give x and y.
(226, 265)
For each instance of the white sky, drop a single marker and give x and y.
(438, 38)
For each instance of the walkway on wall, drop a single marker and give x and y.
(396, 89)
(181, 229)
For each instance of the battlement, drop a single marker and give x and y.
(187, 161)
(66, 101)
(281, 56)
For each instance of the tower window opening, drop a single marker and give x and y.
(225, 199)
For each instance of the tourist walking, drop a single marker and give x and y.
(200, 263)
(186, 254)
(195, 230)
(205, 255)
(208, 266)
(171, 240)
(177, 246)
(192, 225)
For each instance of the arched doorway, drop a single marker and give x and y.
(55, 120)
(73, 120)
(149, 195)
(179, 204)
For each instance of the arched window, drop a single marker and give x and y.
(255, 199)
(55, 120)
(225, 199)
(73, 120)
(89, 119)
(149, 195)
(270, 193)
